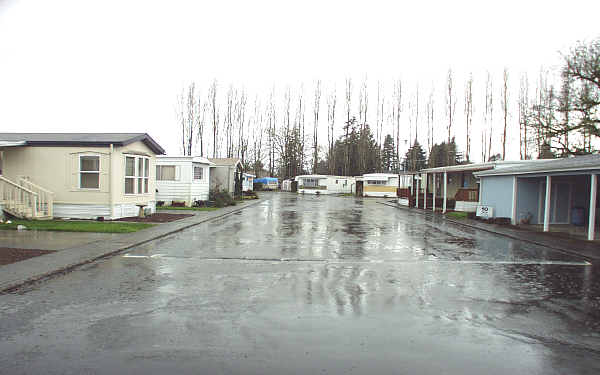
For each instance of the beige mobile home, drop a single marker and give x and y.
(380, 185)
(182, 179)
(77, 175)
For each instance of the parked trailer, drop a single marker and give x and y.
(268, 183)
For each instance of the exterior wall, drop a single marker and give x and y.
(390, 189)
(496, 192)
(247, 183)
(528, 190)
(222, 178)
(57, 169)
(455, 182)
(184, 188)
(332, 185)
(465, 206)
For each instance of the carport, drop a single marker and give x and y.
(556, 195)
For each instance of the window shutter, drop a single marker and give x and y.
(178, 173)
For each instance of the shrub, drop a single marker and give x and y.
(178, 204)
(258, 186)
(221, 198)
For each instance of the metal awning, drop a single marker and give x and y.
(375, 178)
(12, 143)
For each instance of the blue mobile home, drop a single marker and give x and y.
(268, 183)
(559, 192)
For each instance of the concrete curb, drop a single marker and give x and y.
(10, 284)
(500, 233)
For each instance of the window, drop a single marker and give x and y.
(89, 172)
(198, 172)
(165, 172)
(375, 182)
(311, 182)
(137, 170)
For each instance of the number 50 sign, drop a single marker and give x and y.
(485, 212)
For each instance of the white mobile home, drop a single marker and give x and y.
(380, 185)
(182, 178)
(248, 182)
(322, 184)
(286, 185)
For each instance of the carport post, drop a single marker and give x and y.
(417, 191)
(425, 192)
(434, 192)
(513, 217)
(592, 219)
(445, 189)
(547, 204)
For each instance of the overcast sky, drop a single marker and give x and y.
(117, 66)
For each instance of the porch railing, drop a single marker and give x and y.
(45, 201)
(17, 199)
(467, 195)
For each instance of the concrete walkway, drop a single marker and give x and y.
(589, 250)
(88, 247)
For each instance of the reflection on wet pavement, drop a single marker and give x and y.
(308, 284)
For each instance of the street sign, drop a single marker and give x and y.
(485, 212)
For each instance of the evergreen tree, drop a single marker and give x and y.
(389, 160)
(441, 153)
(415, 159)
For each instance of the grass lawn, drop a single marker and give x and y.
(457, 215)
(187, 208)
(77, 226)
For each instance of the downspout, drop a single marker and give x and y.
(110, 181)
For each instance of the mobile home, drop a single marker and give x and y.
(77, 175)
(322, 184)
(268, 183)
(248, 182)
(380, 185)
(182, 178)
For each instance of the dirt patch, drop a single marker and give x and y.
(159, 217)
(10, 255)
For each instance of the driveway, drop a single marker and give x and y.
(313, 285)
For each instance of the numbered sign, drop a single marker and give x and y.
(485, 212)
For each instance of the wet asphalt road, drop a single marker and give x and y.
(313, 285)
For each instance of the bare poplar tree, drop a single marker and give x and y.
(214, 110)
(347, 126)
(469, 114)
(396, 112)
(229, 114)
(189, 117)
(257, 137)
(271, 117)
(363, 110)
(504, 106)
(201, 123)
(489, 118)
(316, 108)
(240, 117)
(523, 117)
(331, 103)
(450, 105)
(299, 136)
(430, 121)
(417, 114)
